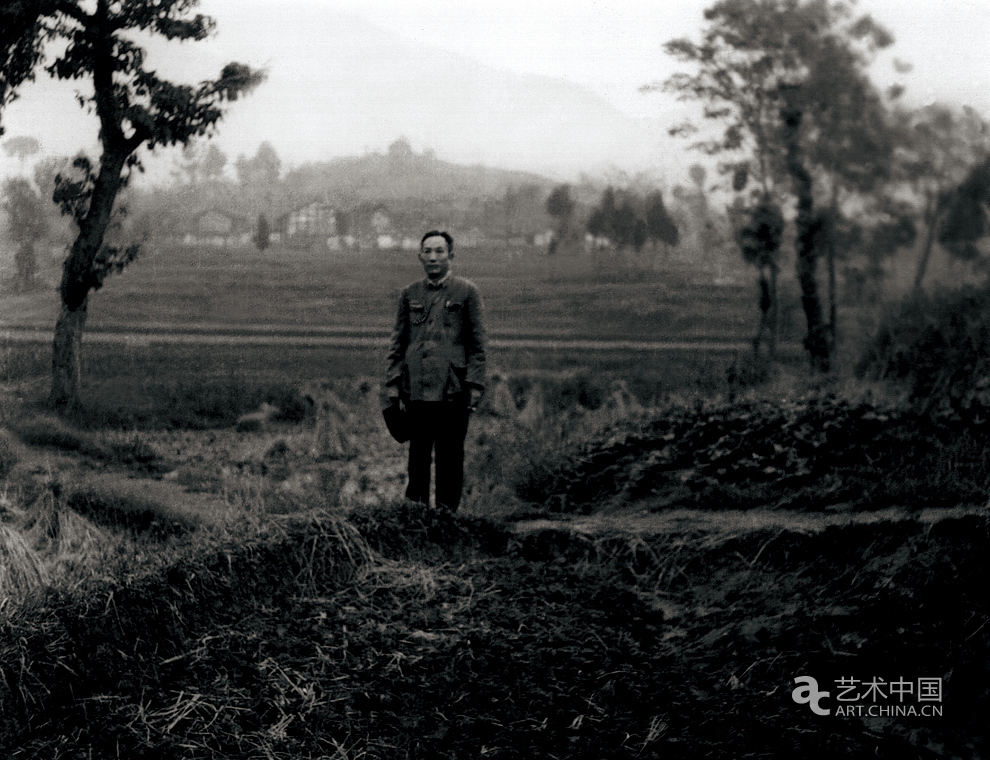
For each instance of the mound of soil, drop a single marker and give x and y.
(810, 454)
(404, 633)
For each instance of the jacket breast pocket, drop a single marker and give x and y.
(453, 314)
(417, 312)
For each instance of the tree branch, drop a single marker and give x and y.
(73, 10)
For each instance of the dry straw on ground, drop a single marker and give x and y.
(21, 569)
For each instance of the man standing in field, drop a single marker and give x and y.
(436, 370)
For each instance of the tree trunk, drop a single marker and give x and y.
(80, 275)
(816, 341)
(833, 297)
(774, 312)
(833, 294)
(765, 331)
(67, 358)
(926, 252)
(27, 266)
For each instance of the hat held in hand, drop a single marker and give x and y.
(397, 422)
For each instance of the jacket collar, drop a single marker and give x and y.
(441, 283)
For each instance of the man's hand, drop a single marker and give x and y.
(476, 395)
(388, 400)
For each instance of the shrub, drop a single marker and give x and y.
(808, 453)
(938, 346)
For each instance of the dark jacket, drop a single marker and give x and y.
(437, 350)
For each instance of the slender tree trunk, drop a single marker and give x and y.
(67, 358)
(774, 312)
(816, 341)
(27, 266)
(764, 313)
(833, 310)
(833, 291)
(926, 251)
(765, 333)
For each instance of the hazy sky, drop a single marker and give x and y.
(611, 47)
(614, 46)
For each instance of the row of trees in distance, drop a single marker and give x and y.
(804, 134)
(488, 205)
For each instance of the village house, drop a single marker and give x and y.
(313, 225)
(372, 228)
(219, 228)
(381, 222)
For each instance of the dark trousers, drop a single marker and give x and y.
(440, 427)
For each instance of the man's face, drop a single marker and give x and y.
(435, 257)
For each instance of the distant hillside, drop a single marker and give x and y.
(340, 86)
(402, 174)
(414, 190)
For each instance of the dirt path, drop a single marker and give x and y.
(344, 338)
(734, 521)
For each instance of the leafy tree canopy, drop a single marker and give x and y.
(630, 221)
(560, 204)
(940, 144)
(759, 58)
(761, 233)
(264, 169)
(25, 210)
(135, 105)
(966, 221)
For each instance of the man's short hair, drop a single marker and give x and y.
(438, 233)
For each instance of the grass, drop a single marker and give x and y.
(525, 292)
(124, 388)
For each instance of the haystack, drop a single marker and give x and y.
(499, 398)
(333, 437)
(533, 413)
